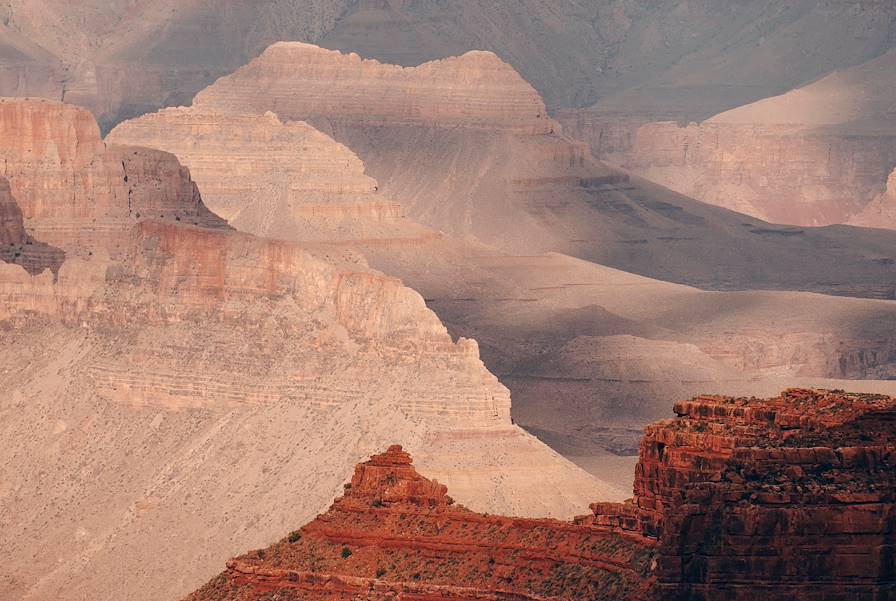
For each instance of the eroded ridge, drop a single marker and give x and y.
(790, 497)
(395, 532)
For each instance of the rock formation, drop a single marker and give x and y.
(174, 365)
(814, 156)
(665, 60)
(74, 192)
(507, 182)
(394, 532)
(476, 90)
(790, 498)
(610, 350)
(287, 181)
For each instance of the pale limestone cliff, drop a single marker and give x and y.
(816, 155)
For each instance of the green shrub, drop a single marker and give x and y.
(346, 552)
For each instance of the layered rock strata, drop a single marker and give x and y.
(288, 181)
(816, 155)
(75, 192)
(497, 173)
(475, 90)
(780, 173)
(176, 365)
(394, 532)
(791, 497)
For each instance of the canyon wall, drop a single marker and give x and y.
(880, 212)
(813, 156)
(779, 173)
(790, 497)
(258, 361)
(512, 180)
(288, 181)
(552, 327)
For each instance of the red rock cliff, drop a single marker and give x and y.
(395, 532)
(787, 498)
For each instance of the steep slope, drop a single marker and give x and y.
(790, 496)
(175, 367)
(518, 184)
(591, 354)
(813, 156)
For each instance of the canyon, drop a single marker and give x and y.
(520, 185)
(173, 368)
(246, 245)
(590, 353)
(791, 496)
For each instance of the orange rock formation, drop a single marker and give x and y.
(790, 498)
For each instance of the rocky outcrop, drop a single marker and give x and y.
(287, 181)
(396, 532)
(477, 90)
(77, 194)
(792, 497)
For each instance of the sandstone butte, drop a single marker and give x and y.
(789, 498)
(171, 366)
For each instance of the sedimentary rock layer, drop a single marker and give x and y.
(475, 90)
(813, 156)
(791, 497)
(75, 192)
(777, 172)
(526, 190)
(394, 532)
(182, 365)
(289, 181)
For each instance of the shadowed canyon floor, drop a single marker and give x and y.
(260, 363)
